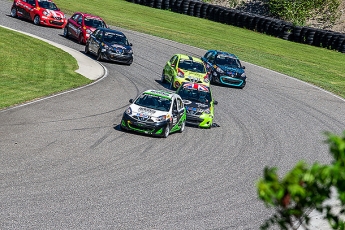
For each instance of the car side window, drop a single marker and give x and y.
(174, 105)
(75, 17)
(32, 2)
(179, 104)
(174, 62)
(211, 57)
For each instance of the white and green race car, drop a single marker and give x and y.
(155, 112)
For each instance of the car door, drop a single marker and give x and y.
(177, 111)
(93, 41)
(170, 68)
(73, 25)
(30, 9)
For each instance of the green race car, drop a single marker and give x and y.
(155, 112)
(199, 104)
(184, 68)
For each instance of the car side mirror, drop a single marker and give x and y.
(130, 100)
(215, 102)
(130, 44)
(243, 67)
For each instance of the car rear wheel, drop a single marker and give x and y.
(163, 78)
(14, 12)
(166, 131)
(65, 31)
(99, 56)
(37, 20)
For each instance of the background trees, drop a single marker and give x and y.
(305, 188)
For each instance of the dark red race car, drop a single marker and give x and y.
(81, 25)
(41, 12)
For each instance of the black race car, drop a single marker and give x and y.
(111, 45)
(224, 68)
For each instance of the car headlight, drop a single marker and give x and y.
(129, 111)
(207, 111)
(130, 51)
(206, 79)
(88, 31)
(243, 75)
(45, 13)
(219, 70)
(162, 118)
(180, 74)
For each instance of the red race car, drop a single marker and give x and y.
(81, 25)
(41, 12)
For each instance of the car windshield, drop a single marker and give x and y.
(47, 5)
(195, 95)
(154, 102)
(114, 38)
(228, 61)
(192, 66)
(93, 22)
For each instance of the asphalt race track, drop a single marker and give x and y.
(64, 163)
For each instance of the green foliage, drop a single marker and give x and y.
(299, 11)
(305, 188)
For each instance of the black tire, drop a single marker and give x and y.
(166, 131)
(183, 126)
(163, 80)
(65, 31)
(87, 51)
(99, 55)
(37, 20)
(81, 39)
(13, 12)
(171, 86)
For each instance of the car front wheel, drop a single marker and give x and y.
(99, 56)
(166, 131)
(87, 51)
(65, 31)
(37, 20)
(81, 39)
(183, 125)
(14, 12)
(163, 77)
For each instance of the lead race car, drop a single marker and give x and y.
(41, 12)
(155, 112)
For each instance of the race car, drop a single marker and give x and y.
(199, 104)
(41, 12)
(81, 25)
(225, 68)
(111, 45)
(184, 68)
(155, 112)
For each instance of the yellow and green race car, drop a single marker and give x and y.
(184, 68)
(199, 104)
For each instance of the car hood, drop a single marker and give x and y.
(117, 46)
(191, 104)
(54, 13)
(191, 74)
(146, 112)
(231, 69)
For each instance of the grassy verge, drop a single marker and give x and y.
(319, 66)
(32, 69)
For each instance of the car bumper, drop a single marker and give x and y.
(202, 121)
(47, 21)
(230, 81)
(152, 128)
(122, 58)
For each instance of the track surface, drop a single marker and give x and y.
(64, 163)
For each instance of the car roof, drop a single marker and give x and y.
(196, 86)
(161, 93)
(185, 56)
(110, 30)
(224, 53)
(86, 15)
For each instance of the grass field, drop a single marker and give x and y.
(319, 66)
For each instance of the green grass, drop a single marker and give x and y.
(30, 69)
(319, 66)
